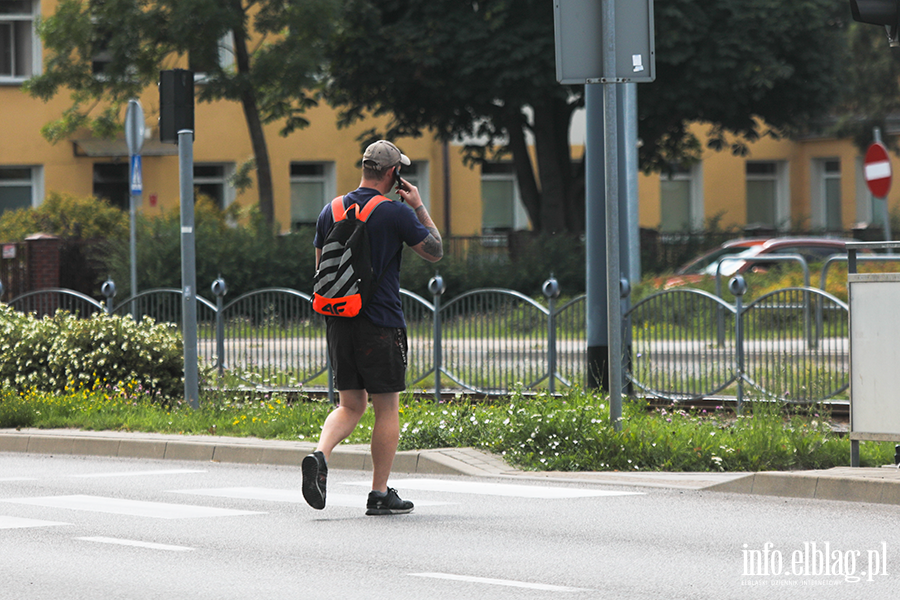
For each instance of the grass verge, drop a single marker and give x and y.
(543, 432)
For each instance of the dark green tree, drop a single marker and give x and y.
(870, 94)
(105, 52)
(485, 70)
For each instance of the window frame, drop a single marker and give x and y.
(228, 191)
(779, 177)
(326, 178)
(819, 204)
(35, 181)
(34, 65)
(225, 57)
(505, 171)
(694, 176)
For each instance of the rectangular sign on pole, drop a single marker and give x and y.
(579, 42)
(137, 183)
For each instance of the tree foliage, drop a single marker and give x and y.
(871, 87)
(466, 69)
(746, 67)
(485, 69)
(275, 51)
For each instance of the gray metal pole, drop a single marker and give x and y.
(437, 288)
(595, 241)
(188, 266)
(628, 175)
(132, 247)
(611, 153)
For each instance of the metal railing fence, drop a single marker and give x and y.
(680, 353)
(495, 340)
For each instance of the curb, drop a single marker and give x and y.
(848, 484)
(452, 461)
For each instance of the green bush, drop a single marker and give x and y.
(66, 216)
(63, 352)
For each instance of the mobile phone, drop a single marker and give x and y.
(397, 179)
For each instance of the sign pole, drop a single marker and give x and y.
(611, 156)
(877, 169)
(134, 139)
(884, 200)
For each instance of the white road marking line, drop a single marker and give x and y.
(17, 523)
(501, 489)
(293, 496)
(135, 508)
(504, 582)
(142, 473)
(136, 544)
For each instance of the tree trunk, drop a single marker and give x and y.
(528, 188)
(554, 165)
(255, 127)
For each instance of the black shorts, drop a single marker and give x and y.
(367, 357)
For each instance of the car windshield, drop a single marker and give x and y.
(730, 267)
(703, 264)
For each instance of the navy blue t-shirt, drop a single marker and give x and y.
(390, 226)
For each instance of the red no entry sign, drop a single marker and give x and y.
(878, 170)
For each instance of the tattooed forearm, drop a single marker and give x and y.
(432, 245)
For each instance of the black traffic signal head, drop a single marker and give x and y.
(879, 12)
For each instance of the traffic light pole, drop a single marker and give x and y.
(188, 267)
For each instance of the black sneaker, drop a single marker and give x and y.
(387, 503)
(315, 475)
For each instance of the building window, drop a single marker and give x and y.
(212, 58)
(19, 187)
(18, 41)
(211, 180)
(681, 199)
(111, 182)
(501, 206)
(416, 174)
(766, 195)
(312, 186)
(826, 194)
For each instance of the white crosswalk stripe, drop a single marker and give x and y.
(135, 508)
(135, 544)
(501, 489)
(292, 495)
(17, 523)
(141, 473)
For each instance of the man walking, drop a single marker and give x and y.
(368, 353)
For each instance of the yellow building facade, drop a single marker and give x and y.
(811, 183)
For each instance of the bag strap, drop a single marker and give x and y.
(339, 212)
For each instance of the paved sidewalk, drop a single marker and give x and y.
(877, 485)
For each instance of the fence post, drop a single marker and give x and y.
(738, 286)
(219, 289)
(436, 287)
(551, 292)
(108, 289)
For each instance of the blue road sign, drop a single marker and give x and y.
(137, 183)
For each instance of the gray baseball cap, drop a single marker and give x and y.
(383, 155)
